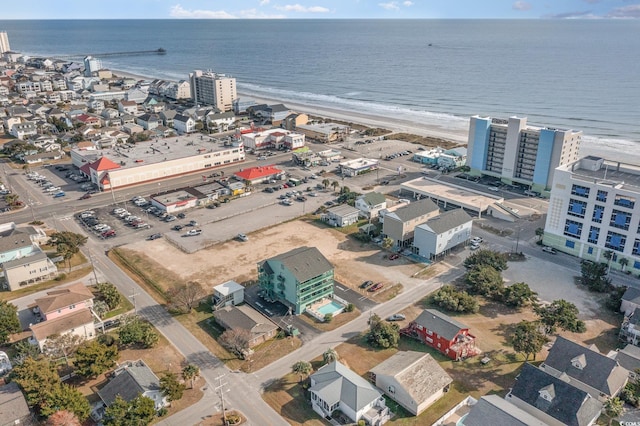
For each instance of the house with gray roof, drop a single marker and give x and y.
(244, 317)
(585, 368)
(552, 399)
(629, 358)
(341, 215)
(495, 411)
(28, 270)
(440, 234)
(13, 406)
(630, 301)
(399, 225)
(297, 278)
(413, 379)
(131, 379)
(630, 328)
(370, 204)
(336, 387)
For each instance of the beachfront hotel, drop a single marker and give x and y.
(517, 153)
(4, 42)
(594, 208)
(209, 88)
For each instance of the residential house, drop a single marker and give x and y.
(630, 301)
(13, 406)
(341, 215)
(229, 293)
(629, 358)
(58, 303)
(630, 328)
(148, 121)
(136, 95)
(23, 130)
(277, 114)
(219, 121)
(293, 120)
(440, 234)
(495, 411)
(28, 270)
(79, 323)
(244, 317)
(297, 278)
(88, 120)
(15, 247)
(167, 117)
(128, 107)
(336, 387)
(184, 124)
(400, 224)
(440, 331)
(131, 379)
(43, 156)
(552, 399)
(132, 129)
(585, 368)
(413, 379)
(370, 204)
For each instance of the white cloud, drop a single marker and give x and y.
(302, 9)
(264, 2)
(631, 11)
(407, 3)
(392, 5)
(178, 11)
(255, 14)
(521, 5)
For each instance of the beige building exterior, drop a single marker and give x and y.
(79, 323)
(209, 88)
(28, 270)
(400, 224)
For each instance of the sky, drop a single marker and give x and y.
(320, 9)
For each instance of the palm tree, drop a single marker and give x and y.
(190, 372)
(11, 199)
(609, 256)
(329, 356)
(302, 368)
(623, 261)
(613, 407)
(326, 183)
(540, 233)
(335, 184)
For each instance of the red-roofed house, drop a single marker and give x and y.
(258, 174)
(88, 120)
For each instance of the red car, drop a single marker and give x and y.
(110, 233)
(394, 256)
(85, 196)
(375, 287)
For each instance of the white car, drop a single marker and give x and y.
(494, 189)
(243, 237)
(193, 233)
(474, 246)
(476, 240)
(549, 250)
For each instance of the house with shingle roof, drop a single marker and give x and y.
(63, 301)
(79, 322)
(13, 406)
(495, 411)
(399, 225)
(244, 317)
(336, 387)
(297, 278)
(585, 368)
(28, 270)
(630, 301)
(371, 203)
(131, 379)
(629, 358)
(440, 234)
(440, 331)
(413, 379)
(552, 399)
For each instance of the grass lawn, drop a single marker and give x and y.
(337, 321)
(291, 401)
(66, 278)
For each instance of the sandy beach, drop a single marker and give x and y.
(610, 149)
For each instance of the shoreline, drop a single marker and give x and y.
(610, 149)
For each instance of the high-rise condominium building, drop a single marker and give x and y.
(517, 153)
(594, 208)
(91, 65)
(4, 42)
(209, 88)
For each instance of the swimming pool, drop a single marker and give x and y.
(330, 308)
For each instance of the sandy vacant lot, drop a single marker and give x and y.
(234, 260)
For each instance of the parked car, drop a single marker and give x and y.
(494, 189)
(394, 256)
(177, 227)
(59, 194)
(108, 234)
(154, 236)
(476, 240)
(85, 196)
(396, 317)
(243, 237)
(549, 250)
(193, 233)
(375, 287)
(181, 215)
(193, 223)
(366, 284)
(474, 246)
(170, 218)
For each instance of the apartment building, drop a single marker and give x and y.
(4, 42)
(209, 88)
(518, 153)
(593, 210)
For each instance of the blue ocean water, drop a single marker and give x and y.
(580, 74)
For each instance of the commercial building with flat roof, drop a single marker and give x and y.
(515, 152)
(357, 166)
(132, 164)
(594, 208)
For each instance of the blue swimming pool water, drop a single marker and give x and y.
(330, 308)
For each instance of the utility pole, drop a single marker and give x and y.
(111, 187)
(222, 391)
(517, 240)
(95, 275)
(133, 297)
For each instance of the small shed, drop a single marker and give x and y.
(228, 294)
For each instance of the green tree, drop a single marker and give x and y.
(11, 199)
(383, 334)
(483, 257)
(527, 339)
(614, 301)
(335, 185)
(67, 244)
(387, 243)
(560, 314)
(190, 372)
(329, 356)
(302, 369)
(326, 183)
(485, 280)
(594, 276)
(109, 294)
(171, 387)
(140, 411)
(613, 408)
(453, 300)
(9, 322)
(539, 233)
(100, 308)
(65, 397)
(35, 378)
(519, 294)
(623, 261)
(94, 358)
(23, 350)
(134, 330)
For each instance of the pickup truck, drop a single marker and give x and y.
(193, 233)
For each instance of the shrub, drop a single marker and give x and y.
(328, 317)
(349, 308)
(453, 300)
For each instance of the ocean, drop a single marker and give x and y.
(578, 74)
